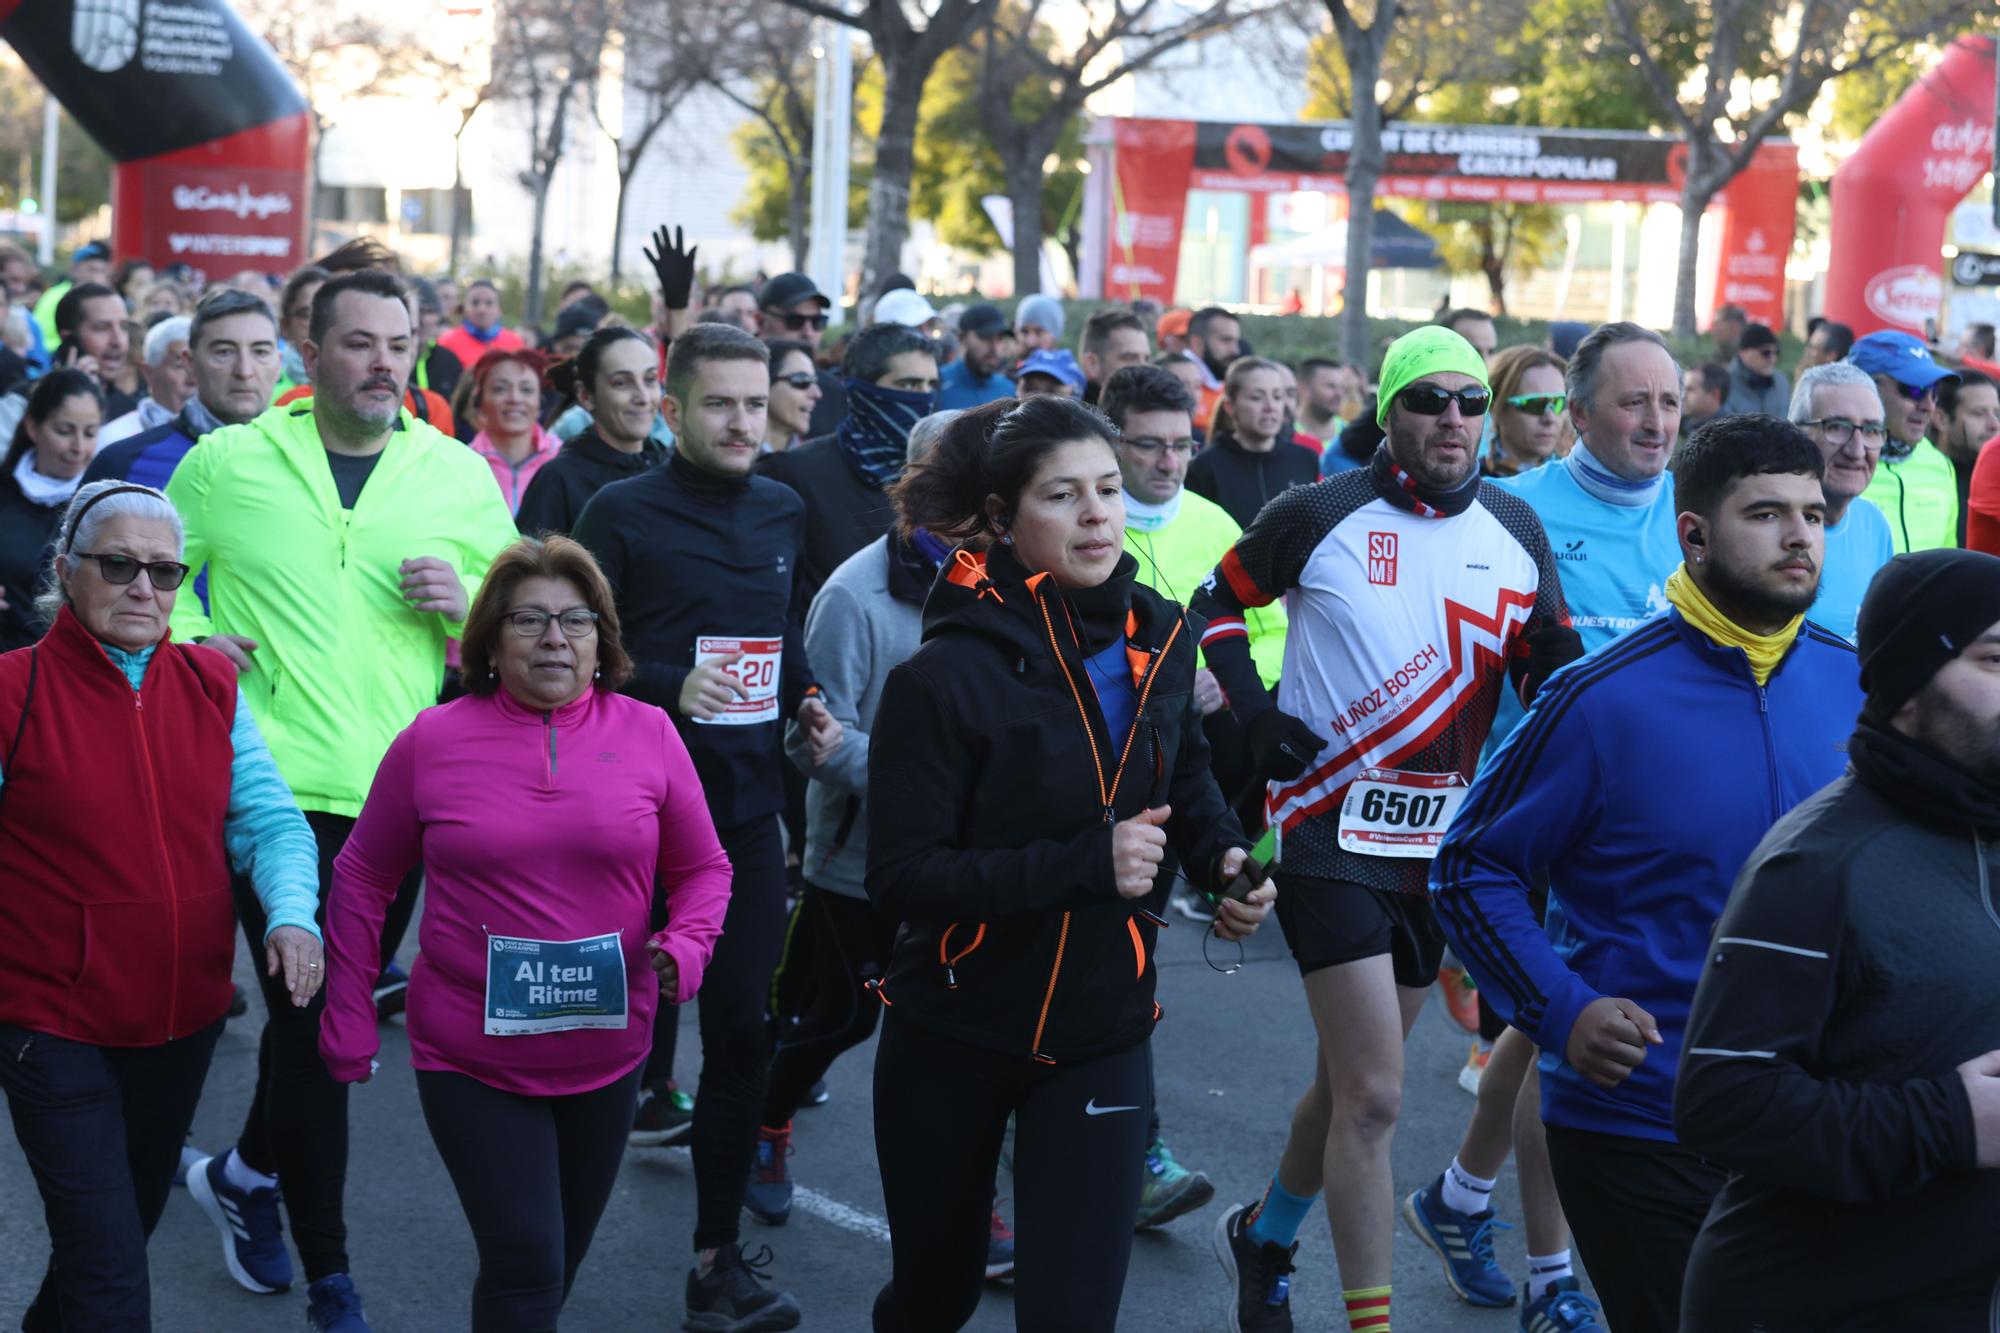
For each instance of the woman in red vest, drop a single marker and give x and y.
(130, 782)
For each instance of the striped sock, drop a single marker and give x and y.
(1367, 1309)
(1278, 1218)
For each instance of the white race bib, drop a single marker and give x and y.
(1390, 813)
(756, 672)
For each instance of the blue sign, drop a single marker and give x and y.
(553, 985)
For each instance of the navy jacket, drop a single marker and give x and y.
(1642, 778)
(146, 459)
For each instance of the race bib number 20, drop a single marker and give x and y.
(756, 672)
(1390, 813)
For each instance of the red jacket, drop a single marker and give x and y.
(116, 922)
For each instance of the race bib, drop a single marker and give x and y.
(1388, 813)
(553, 985)
(756, 672)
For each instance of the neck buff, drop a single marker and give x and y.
(1919, 781)
(874, 437)
(930, 546)
(485, 333)
(1404, 491)
(1601, 483)
(200, 418)
(1765, 651)
(44, 491)
(1147, 517)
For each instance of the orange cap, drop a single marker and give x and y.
(1173, 324)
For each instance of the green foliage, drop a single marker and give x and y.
(766, 203)
(83, 170)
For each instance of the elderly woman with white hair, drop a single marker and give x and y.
(131, 779)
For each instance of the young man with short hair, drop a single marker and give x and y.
(1112, 340)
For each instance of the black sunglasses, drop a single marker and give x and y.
(795, 321)
(1427, 400)
(1914, 394)
(119, 570)
(800, 380)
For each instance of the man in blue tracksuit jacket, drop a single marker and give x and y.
(1641, 779)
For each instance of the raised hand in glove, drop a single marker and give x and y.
(673, 264)
(1282, 746)
(1550, 648)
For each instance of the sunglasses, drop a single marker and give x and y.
(794, 321)
(799, 380)
(119, 570)
(1539, 404)
(1913, 394)
(1427, 400)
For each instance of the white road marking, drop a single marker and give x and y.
(826, 1208)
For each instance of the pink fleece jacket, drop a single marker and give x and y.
(540, 825)
(514, 481)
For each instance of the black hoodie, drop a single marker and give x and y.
(1243, 482)
(989, 822)
(555, 498)
(1850, 975)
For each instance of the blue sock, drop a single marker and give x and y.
(1280, 1216)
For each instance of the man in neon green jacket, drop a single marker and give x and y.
(1915, 484)
(343, 542)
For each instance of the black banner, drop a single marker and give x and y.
(146, 77)
(1484, 152)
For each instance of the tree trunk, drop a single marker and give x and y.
(1025, 187)
(457, 203)
(895, 162)
(625, 173)
(1364, 168)
(1696, 191)
(798, 209)
(531, 313)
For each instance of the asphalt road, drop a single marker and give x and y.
(1232, 1056)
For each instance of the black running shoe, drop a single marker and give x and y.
(734, 1299)
(665, 1116)
(1261, 1274)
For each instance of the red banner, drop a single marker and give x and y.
(1759, 214)
(237, 203)
(1154, 161)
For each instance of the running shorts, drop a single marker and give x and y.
(1330, 921)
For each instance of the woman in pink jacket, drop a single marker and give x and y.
(507, 403)
(543, 804)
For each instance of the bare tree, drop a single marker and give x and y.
(548, 54)
(908, 54)
(1030, 92)
(1760, 61)
(770, 81)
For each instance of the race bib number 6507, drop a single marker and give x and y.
(1390, 813)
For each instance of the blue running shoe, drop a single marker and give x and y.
(253, 1235)
(1465, 1242)
(768, 1196)
(336, 1306)
(1563, 1308)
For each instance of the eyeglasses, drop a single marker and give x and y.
(1149, 448)
(1839, 430)
(800, 381)
(1427, 400)
(793, 321)
(119, 570)
(1913, 394)
(576, 623)
(1539, 404)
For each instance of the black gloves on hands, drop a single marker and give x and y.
(1282, 746)
(1550, 648)
(673, 264)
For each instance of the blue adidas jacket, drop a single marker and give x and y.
(146, 459)
(1642, 778)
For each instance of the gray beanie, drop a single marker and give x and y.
(1044, 311)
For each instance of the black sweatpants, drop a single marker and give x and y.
(941, 1109)
(533, 1175)
(1634, 1207)
(297, 1125)
(101, 1127)
(834, 945)
(736, 1030)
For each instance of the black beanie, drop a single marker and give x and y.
(1921, 611)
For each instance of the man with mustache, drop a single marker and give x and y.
(343, 542)
(1732, 694)
(1915, 486)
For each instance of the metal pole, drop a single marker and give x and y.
(833, 117)
(45, 246)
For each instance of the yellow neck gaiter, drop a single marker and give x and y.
(1765, 651)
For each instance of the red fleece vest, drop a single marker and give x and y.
(116, 924)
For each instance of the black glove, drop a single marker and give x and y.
(1550, 648)
(673, 264)
(1282, 746)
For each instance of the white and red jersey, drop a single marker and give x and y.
(1404, 619)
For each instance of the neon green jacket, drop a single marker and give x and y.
(342, 663)
(1174, 560)
(1920, 497)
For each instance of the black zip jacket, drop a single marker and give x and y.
(691, 554)
(843, 512)
(1243, 482)
(26, 529)
(992, 788)
(555, 499)
(1850, 975)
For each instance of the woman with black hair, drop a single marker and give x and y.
(53, 444)
(1029, 767)
(615, 378)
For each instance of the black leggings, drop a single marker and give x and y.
(736, 1031)
(533, 1175)
(941, 1108)
(834, 944)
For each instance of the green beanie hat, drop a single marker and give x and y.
(1422, 352)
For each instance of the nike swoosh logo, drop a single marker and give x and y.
(1092, 1108)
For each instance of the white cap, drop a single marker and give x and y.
(904, 306)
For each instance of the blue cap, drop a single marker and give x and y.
(1056, 365)
(91, 250)
(1903, 357)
